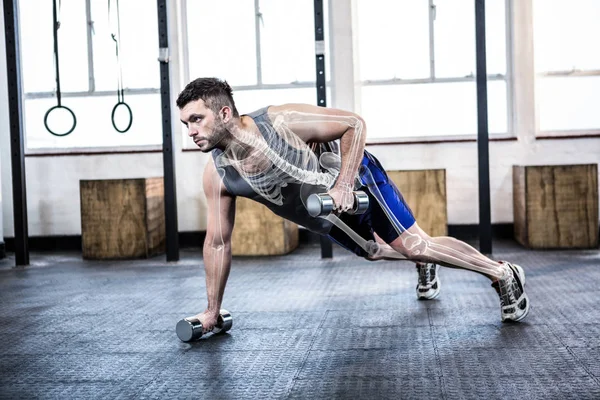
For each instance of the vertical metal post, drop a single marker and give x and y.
(485, 225)
(257, 22)
(432, 17)
(90, 43)
(172, 234)
(326, 248)
(17, 143)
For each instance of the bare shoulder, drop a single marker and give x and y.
(212, 182)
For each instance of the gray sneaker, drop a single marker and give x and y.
(514, 303)
(429, 284)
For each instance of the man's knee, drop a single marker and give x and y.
(411, 245)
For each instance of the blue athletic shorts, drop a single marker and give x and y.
(374, 219)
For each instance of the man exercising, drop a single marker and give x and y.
(280, 155)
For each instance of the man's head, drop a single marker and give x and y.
(206, 107)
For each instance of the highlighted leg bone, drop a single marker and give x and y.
(442, 250)
(374, 249)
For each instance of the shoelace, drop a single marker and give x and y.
(507, 290)
(425, 274)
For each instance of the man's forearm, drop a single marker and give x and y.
(352, 145)
(217, 263)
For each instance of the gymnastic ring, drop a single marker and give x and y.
(60, 134)
(112, 116)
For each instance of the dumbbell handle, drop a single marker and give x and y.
(190, 329)
(322, 204)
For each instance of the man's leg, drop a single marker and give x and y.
(411, 241)
(508, 279)
(428, 284)
(418, 245)
(374, 177)
(395, 223)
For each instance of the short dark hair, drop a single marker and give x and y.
(214, 92)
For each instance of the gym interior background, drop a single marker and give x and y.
(528, 104)
(413, 62)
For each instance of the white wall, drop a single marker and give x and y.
(460, 161)
(53, 182)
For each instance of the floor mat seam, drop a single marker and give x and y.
(437, 354)
(308, 350)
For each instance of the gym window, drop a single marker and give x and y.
(273, 40)
(567, 66)
(89, 74)
(416, 68)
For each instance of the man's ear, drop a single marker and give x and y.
(226, 114)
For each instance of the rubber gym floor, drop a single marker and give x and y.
(303, 328)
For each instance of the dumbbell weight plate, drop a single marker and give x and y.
(224, 322)
(319, 204)
(361, 203)
(189, 329)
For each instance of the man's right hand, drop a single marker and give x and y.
(208, 319)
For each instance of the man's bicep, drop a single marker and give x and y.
(220, 207)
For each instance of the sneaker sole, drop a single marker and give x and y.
(524, 313)
(426, 297)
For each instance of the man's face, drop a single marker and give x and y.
(204, 127)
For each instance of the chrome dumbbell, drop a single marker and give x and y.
(190, 329)
(322, 204)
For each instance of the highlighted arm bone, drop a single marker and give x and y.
(291, 159)
(217, 245)
(349, 128)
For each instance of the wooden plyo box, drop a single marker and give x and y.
(259, 232)
(556, 206)
(122, 218)
(425, 193)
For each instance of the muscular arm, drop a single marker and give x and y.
(319, 124)
(217, 245)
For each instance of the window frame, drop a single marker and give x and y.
(564, 133)
(573, 73)
(91, 92)
(507, 78)
(185, 72)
